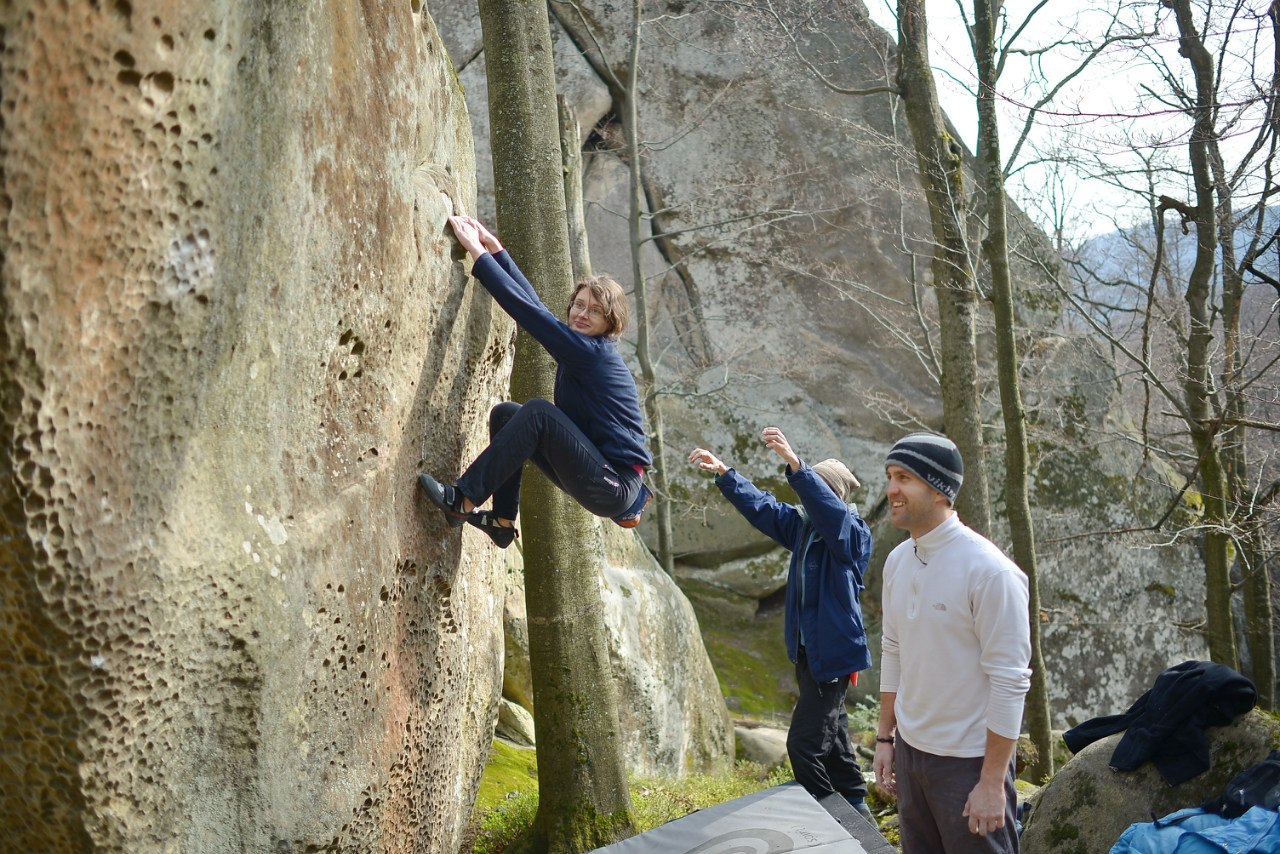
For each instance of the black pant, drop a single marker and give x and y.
(818, 740)
(540, 432)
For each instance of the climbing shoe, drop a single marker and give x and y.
(631, 518)
(446, 497)
(502, 535)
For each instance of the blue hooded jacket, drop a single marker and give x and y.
(830, 547)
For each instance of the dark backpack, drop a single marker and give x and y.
(1258, 786)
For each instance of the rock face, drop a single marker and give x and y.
(764, 745)
(1086, 806)
(1114, 607)
(672, 714)
(797, 247)
(233, 332)
(673, 717)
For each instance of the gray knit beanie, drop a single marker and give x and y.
(837, 476)
(933, 458)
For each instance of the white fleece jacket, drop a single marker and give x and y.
(956, 641)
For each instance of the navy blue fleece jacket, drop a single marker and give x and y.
(830, 546)
(593, 387)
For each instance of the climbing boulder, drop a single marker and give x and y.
(1086, 806)
(234, 329)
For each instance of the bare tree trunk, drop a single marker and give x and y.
(1256, 588)
(571, 162)
(1197, 385)
(1017, 502)
(940, 161)
(644, 356)
(1259, 627)
(625, 95)
(583, 798)
(1258, 614)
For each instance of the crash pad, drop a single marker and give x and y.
(772, 821)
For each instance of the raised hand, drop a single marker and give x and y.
(775, 441)
(707, 461)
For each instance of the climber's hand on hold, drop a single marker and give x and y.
(464, 228)
(487, 238)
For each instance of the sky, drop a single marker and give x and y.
(1104, 117)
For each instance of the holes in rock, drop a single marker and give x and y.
(166, 42)
(130, 78)
(209, 35)
(125, 58)
(163, 81)
(123, 10)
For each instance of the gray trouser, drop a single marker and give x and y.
(932, 791)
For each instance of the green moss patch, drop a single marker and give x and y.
(746, 650)
(510, 771)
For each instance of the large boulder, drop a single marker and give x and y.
(1086, 806)
(673, 717)
(1115, 596)
(233, 331)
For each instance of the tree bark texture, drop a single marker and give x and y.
(583, 798)
(939, 159)
(644, 354)
(1016, 456)
(1198, 385)
(571, 162)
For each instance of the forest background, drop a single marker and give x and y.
(235, 327)
(1099, 106)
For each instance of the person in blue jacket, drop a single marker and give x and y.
(830, 546)
(590, 442)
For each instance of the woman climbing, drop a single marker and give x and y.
(590, 442)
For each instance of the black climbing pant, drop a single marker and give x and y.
(540, 432)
